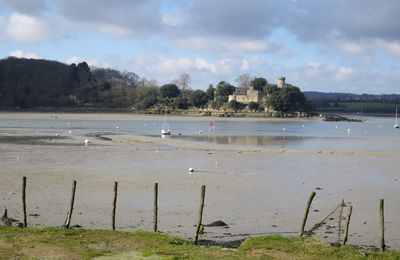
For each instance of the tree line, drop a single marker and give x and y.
(32, 83)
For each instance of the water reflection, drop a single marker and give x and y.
(252, 140)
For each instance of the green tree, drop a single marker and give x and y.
(270, 89)
(223, 90)
(149, 99)
(253, 106)
(288, 99)
(181, 102)
(198, 98)
(235, 105)
(169, 91)
(259, 83)
(210, 92)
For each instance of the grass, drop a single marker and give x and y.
(55, 243)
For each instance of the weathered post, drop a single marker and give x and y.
(155, 217)
(203, 194)
(382, 220)
(114, 204)
(24, 200)
(71, 207)
(346, 231)
(303, 224)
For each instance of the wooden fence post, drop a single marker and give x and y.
(114, 204)
(155, 217)
(24, 200)
(346, 231)
(71, 207)
(199, 224)
(303, 224)
(382, 221)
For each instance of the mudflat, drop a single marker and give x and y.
(253, 189)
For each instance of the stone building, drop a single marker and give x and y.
(281, 82)
(246, 95)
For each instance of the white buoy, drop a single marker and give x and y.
(302, 125)
(70, 131)
(117, 128)
(57, 134)
(283, 129)
(336, 126)
(191, 170)
(200, 132)
(87, 142)
(348, 131)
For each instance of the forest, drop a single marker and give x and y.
(38, 83)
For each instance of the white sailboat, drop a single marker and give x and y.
(396, 125)
(165, 130)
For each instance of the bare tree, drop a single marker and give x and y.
(130, 78)
(183, 81)
(143, 82)
(244, 80)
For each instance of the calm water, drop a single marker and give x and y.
(373, 134)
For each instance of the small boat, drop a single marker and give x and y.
(396, 125)
(165, 131)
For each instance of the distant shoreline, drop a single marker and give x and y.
(177, 113)
(116, 115)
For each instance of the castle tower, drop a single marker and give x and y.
(281, 82)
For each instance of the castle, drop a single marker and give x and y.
(247, 95)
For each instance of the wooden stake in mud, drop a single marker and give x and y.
(346, 231)
(24, 199)
(71, 207)
(382, 220)
(203, 194)
(155, 217)
(310, 199)
(114, 204)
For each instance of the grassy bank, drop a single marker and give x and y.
(54, 243)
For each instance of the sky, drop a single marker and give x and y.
(318, 45)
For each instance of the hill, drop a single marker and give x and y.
(28, 83)
(353, 103)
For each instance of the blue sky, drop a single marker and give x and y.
(331, 46)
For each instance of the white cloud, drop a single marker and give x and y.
(26, 29)
(204, 66)
(175, 19)
(342, 73)
(352, 47)
(90, 62)
(2, 26)
(393, 47)
(115, 30)
(22, 54)
(174, 65)
(200, 43)
(247, 46)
